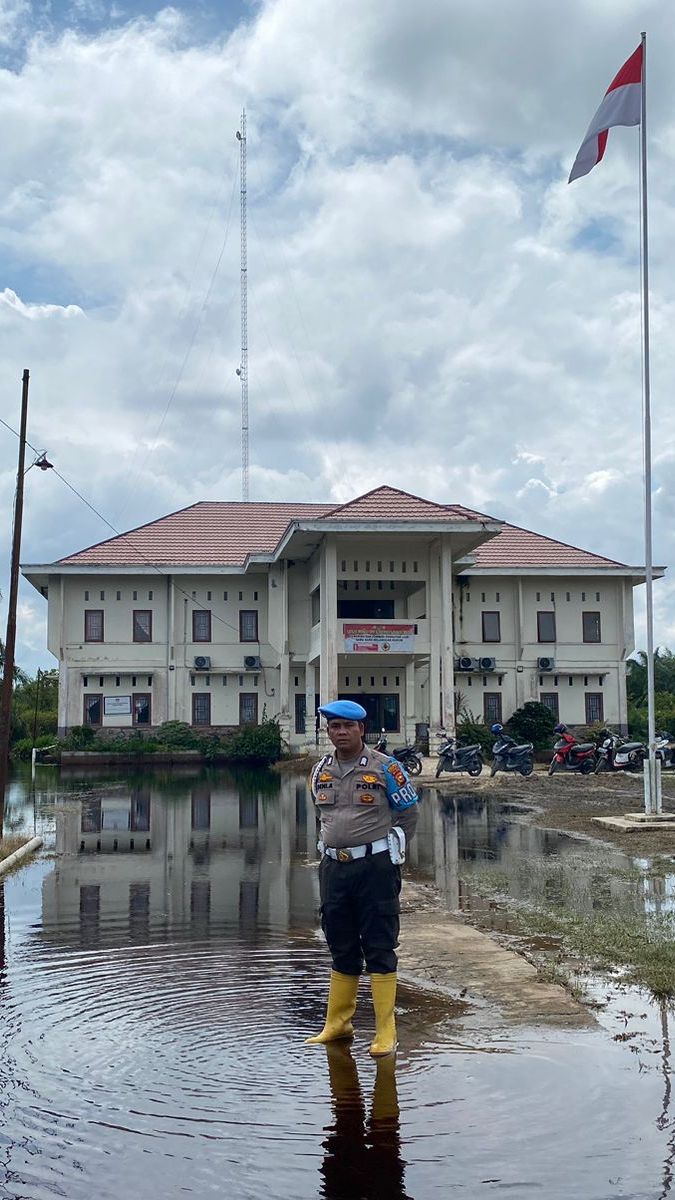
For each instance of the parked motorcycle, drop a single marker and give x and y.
(616, 753)
(508, 756)
(452, 758)
(665, 750)
(571, 755)
(408, 756)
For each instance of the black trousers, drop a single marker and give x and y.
(360, 909)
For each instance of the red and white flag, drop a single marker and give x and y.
(622, 105)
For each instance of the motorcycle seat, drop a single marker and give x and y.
(631, 746)
(584, 746)
(468, 749)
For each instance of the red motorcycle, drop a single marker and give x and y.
(571, 755)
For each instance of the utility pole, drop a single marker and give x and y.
(10, 637)
(243, 366)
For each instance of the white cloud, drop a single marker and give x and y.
(430, 305)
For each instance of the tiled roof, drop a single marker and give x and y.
(211, 533)
(392, 504)
(225, 533)
(515, 547)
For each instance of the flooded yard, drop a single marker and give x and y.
(161, 968)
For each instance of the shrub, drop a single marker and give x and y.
(470, 731)
(534, 722)
(23, 748)
(254, 743)
(81, 737)
(177, 735)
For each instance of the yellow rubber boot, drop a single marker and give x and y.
(341, 1006)
(383, 988)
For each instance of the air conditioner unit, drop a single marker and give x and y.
(252, 662)
(546, 664)
(202, 662)
(467, 664)
(487, 664)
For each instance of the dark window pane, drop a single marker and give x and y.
(248, 625)
(546, 626)
(91, 816)
(591, 626)
(491, 627)
(140, 811)
(141, 709)
(201, 708)
(300, 713)
(201, 625)
(142, 625)
(93, 625)
(390, 714)
(139, 909)
(201, 807)
(93, 708)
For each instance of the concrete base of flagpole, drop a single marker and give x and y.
(652, 786)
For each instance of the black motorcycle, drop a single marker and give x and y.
(408, 756)
(452, 758)
(508, 756)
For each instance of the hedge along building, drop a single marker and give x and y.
(221, 612)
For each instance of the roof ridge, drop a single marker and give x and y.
(386, 487)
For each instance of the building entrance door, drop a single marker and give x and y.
(383, 712)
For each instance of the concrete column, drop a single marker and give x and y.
(310, 712)
(329, 622)
(435, 641)
(284, 681)
(447, 639)
(409, 698)
(171, 649)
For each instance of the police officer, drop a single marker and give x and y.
(368, 810)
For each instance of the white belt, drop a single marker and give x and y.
(347, 853)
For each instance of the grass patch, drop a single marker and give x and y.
(641, 944)
(9, 844)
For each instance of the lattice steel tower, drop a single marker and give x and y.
(243, 366)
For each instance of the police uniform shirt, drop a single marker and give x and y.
(359, 801)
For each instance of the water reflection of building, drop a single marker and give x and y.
(211, 854)
(459, 836)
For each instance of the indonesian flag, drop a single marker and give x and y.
(622, 105)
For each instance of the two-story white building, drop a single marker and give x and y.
(222, 612)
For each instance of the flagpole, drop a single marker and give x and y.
(652, 789)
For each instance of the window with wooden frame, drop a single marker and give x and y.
(550, 700)
(201, 708)
(142, 625)
(248, 708)
(492, 707)
(248, 625)
(93, 624)
(201, 625)
(491, 626)
(545, 626)
(92, 713)
(591, 626)
(142, 708)
(594, 702)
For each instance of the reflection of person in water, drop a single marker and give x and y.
(362, 1154)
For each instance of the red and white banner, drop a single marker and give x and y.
(378, 638)
(622, 105)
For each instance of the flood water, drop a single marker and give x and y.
(161, 968)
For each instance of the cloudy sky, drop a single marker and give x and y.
(431, 305)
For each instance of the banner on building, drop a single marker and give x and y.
(378, 638)
(117, 706)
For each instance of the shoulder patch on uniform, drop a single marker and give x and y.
(363, 762)
(394, 769)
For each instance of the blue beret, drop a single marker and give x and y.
(346, 710)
